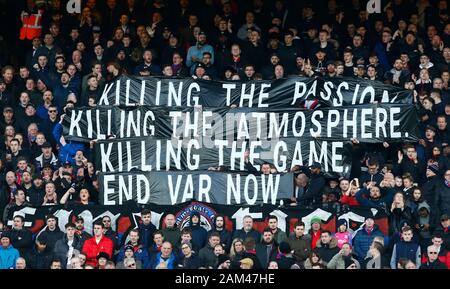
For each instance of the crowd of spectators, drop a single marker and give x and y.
(66, 62)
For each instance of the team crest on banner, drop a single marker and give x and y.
(207, 215)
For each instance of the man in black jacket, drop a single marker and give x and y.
(313, 194)
(41, 256)
(109, 232)
(225, 235)
(267, 250)
(412, 165)
(442, 198)
(52, 233)
(327, 246)
(21, 238)
(247, 230)
(433, 260)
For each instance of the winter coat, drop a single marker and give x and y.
(39, 260)
(61, 248)
(24, 244)
(442, 199)
(327, 251)
(66, 152)
(207, 257)
(307, 264)
(338, 262)
(314, 189)
(146, 234)
(192, 262)
(199, 235)
(423, 220)
(241, 234)
(363, 240)
(301, 246)
(408, 250)
(279, 236)
(92, 249)
(285, 261)
(172, 261)
(112, 235)
(172, 235)
(140, 253)
(52, 236)
(225, 238)
(265, 256)
(398, 217)
(8, 257)
(383, 203)
(434, 265)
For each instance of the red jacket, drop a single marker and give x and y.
(349, 200)
(444, 257)
(91, 249)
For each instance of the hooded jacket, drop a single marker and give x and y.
(327, 251)
(8, 257)
(423, 220)
(199, 234)
(39, 260)
(52, 236)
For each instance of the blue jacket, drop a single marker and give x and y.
(8, 257)
(140, 254)
(146, 234)
(156, 259)
(68, 151)
(384, 203)
(408, 250)
(363, 240)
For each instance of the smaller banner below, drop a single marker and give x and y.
(170, 188)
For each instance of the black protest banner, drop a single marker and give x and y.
(127, 216)
(151, 154)
(170, 188)
(281, 93)
(88, 123)
(367, 123)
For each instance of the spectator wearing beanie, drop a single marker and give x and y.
(285, 256)
(342, 235)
